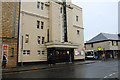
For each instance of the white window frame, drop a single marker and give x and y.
(38, 4)
(26, 52)
(38, 39)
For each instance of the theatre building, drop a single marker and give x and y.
(105, 43)
(50, 28)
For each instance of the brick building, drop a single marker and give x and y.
(9, 37)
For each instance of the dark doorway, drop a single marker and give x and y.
(61, 54)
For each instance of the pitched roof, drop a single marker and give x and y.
(104, 37)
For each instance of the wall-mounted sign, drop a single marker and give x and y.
(114, 43)
(77, 53)
(4, 51)
(99, 49)
(82, 52)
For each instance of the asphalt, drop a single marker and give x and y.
(43, 66)
(105, 70)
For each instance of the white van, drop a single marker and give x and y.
(89, 54)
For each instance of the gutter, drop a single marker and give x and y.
(18, 31)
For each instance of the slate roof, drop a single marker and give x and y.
(104, 37)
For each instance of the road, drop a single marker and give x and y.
(107, 69)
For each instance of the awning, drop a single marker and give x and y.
(62, 45)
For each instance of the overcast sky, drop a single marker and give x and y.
(99, 16)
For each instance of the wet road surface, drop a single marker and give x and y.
(107, 69)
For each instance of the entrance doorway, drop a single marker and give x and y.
(61, 54)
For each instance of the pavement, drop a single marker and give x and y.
(43, 66)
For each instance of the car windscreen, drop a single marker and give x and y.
(89, 53)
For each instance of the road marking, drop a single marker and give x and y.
(105, 77)
(110, 74)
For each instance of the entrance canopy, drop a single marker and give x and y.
(62, 45)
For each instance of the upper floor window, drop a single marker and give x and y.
(26, 38)
(38, 4)
(42, 6)
(38, 23)
(92, 45)
(61, 10)
(26, 52)
(78, 32)
(76, 18)
(42, 25)
(42, 40)
(38, 40)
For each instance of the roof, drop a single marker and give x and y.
(104, 37)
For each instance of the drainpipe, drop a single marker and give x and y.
(18, 32)
(14, 17)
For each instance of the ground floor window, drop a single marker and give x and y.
(26, 52)
(38, 52)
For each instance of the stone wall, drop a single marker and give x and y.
(7, 28)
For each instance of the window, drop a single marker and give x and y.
(42, 6)
(38, 4)
(38, 23)
(42, 40)
(43, 52)
(26, 52)
(92, 45)
(78, 32)
(48, 35)
(76, 18)
(38, 39)
(42, 24)
(12, 52)
(26, 38)
(61, 10)
(38, 52)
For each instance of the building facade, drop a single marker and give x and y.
(9, 31)
(105, 43)
(50, 28)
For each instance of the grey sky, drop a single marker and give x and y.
(99, 16)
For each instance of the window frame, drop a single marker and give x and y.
(77, 18)
(38, 52)
(38, 40)
(42, 25)
(26, 52)
(38, 24)
(42, 6)
(27, 38)
(61, 10)
(78, 32)
(43, 53)
(43, 40)
(38, 4)
(12, 52)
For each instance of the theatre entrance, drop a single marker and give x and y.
(61, 54)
